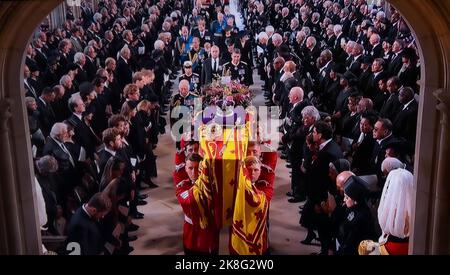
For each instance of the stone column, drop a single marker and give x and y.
(440, 241)
(10, 229)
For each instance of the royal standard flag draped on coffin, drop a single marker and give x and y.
(224, 195)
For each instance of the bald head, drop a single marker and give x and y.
(341, 179)
(289, 66)
(296, 95)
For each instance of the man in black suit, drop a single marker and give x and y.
(83, 228)
(363, 147)
(46, 114)
(66, 177)
(391, 107)
(382, 133)
(80, 60)
(90, 65)
(376, 46)
(357, 54)
(113, 142)
(405, 123)
(378, 73)
(212, 67)
(319, 183)
(202, 33)
(124, 73)
(294, 138)
(396, 63)
(83, 134)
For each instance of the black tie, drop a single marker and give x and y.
(215, 66)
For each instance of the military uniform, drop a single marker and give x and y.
(178, 100)
(196, 240)
(194, 82)
(238, 72)
(196, 57)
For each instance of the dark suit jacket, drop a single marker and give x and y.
(91, 69)
(46, 116)
(362, 154)
(83, 135)
(123, 73)
(86, 232)
(391, 107)
(372, 84)
(207, 71)
(395, 65)
(103, 156)
(319, 182)
(405, 123)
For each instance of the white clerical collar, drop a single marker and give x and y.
(321, 146)
(113, 153)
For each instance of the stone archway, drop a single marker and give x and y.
(19, 232)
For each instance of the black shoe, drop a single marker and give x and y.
(283, 156)
(133, 227)
(141, 202)
(138, 216)
(150, 184)
(142, 196)
(132, 238)
(289, 194)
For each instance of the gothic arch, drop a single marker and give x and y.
(19, 232)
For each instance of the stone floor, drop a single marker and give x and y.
(160, 231)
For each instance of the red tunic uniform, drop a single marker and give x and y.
(195, 239)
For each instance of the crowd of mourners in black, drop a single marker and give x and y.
(98, 89)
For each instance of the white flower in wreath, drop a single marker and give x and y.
(213, 131)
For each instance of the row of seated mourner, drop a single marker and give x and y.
(343, 75)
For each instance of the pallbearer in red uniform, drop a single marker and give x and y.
(198, 238)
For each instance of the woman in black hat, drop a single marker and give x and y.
(358, 223)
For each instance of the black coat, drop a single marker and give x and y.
(356, 227)
(319, 182)
(46, 117)
(405, 123)
(207, 71)
(361, 156)
(83, 135)
(85, 231)
(391, 107)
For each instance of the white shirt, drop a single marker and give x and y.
(113, 153)
(212, 63)
(381, 140)
(321, 146)
(80, 117)
(407, 104)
